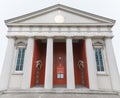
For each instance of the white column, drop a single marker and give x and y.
(49, 65)
(27, 67)
(91, 65)
(115, 78)
(5, 74)
(70, 64)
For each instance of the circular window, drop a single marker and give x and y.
(59, 19)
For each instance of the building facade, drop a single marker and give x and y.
(60, 47)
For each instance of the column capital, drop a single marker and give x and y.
(88, 37)
(69, 37)
(32, 37)
(11, 37)
(49, 37)
(108, 38)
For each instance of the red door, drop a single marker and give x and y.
(76, 53)
(81, 75)
(39, 54)
(59, 66)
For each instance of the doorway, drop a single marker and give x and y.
(59, 64)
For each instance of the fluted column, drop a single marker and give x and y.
(27, 70)
(115, 78)
(91, 65)
(5, 74)
(70, 64)
(49, 65)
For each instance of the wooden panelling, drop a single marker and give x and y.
(79, 52)
(39, 54)
(59, 59)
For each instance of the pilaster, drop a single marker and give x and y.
(91, 65)
(5, 74)
(115, 78)
(27, 69)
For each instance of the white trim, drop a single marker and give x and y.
(101, 44)
(62, 24)
(59, 34)
(60, 7)
(17, 46)
(17, 73)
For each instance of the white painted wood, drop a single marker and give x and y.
(49, 65)
(91, 65)
(5, 74)
(27, 66)
(70, 64)
(115, 78)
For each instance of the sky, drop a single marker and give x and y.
(13, 8)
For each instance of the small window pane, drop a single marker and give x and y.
(17, 67)
(99, 59)
(62, 75)
(20, 59)
(58, 76)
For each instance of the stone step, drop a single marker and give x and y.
(58, 93)
(29, 95)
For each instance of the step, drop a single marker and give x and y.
(58, 93)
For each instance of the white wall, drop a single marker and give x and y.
(15, 81)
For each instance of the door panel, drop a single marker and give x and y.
(59, 64)
(79, 52)
(42, 58)
(76, 54)
(39, 54)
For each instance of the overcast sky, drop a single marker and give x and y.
(106, 8)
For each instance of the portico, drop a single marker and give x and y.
(59, 63)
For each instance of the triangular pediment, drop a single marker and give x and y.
(59, 14)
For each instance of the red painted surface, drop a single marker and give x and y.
(39, 54)
(84, 58)
(43, 59)
(60, 69)
(79, 52)
(59, 51)
(77, 72)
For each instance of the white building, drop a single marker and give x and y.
(60, 48)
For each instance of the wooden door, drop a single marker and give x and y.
(77, 71)
(59, 64)
(39, 54)
(81, 75)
